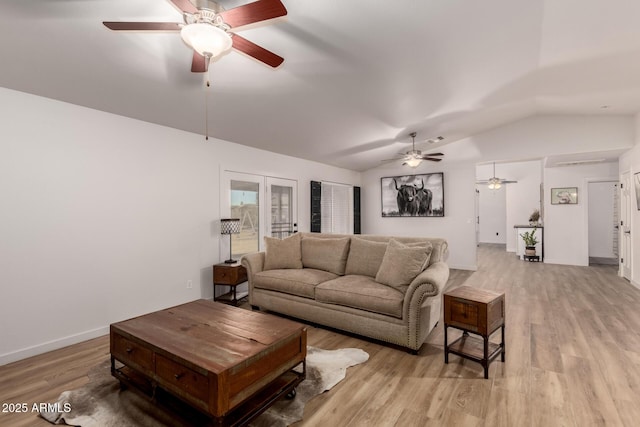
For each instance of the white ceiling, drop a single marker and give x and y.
(358, 75)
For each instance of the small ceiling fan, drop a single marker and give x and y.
(494, 183)
(414, 157)
(210, 31)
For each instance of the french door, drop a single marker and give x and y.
(265, 206)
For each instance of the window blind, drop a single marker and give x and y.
(336, 208)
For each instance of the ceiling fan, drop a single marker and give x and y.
(414, 157)
(494, 183)
(210, 31)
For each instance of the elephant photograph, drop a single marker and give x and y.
(413, 195)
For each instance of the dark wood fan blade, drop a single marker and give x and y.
(434, 154)
(200, 64)
(255, 51)
(185, 6)
(143, 26)
(253, 12)
(433, 159)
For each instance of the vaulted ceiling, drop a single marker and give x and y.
(358, 75)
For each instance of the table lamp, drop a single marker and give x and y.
(230, 226)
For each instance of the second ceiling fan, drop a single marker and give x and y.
(414, 157)
(210, 31)
(495, 183)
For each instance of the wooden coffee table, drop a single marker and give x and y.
(229, 363)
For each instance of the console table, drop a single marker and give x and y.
(520, 246)
(479, 312)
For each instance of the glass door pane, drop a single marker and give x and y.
(245, 205)
(242, 197)
(282, 199)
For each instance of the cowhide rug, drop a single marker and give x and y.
(101, 403)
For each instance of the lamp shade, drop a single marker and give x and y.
(206, 39)
(230, 226)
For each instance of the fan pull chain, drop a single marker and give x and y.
(206, 109)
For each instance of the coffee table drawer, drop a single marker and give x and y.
(130, 352)
(181, 378)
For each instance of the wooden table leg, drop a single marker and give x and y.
(485, 362)
(446, 345)
(503, 345)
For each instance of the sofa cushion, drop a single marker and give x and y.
(365, 257)
(363, 293)
(285, 253)
(301, 282)
(325, 254)
(402, 263)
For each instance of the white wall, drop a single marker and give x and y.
(566, 226)
(104, 217)
(457, 226)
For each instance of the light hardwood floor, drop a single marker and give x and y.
(572, 359)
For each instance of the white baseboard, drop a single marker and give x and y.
(52, 345)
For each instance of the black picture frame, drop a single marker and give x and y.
(408, 195)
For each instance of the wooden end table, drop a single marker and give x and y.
(230, 275)
(479, 312)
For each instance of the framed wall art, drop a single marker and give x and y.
(413, 195)
(564, 196)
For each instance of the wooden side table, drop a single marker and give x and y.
(479, 312)
(229, 275)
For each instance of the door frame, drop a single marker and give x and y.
(625, 251)
(264, 200)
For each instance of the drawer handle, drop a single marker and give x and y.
(178, 376)
(129, 350)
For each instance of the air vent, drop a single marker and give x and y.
(580, 162)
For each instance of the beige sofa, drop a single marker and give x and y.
(381, 287)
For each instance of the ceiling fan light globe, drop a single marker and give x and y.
(206, 39)
(413, 162)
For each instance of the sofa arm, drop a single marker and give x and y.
(429, 283)
(254, 263)
(435, 275)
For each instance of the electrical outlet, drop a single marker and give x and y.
(189, 284)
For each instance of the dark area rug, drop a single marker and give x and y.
(101, 402)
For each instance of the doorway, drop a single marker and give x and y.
(603, 222)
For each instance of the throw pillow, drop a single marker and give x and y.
(402, 263)
(285, 253)
(325, 254)
(365, 257)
